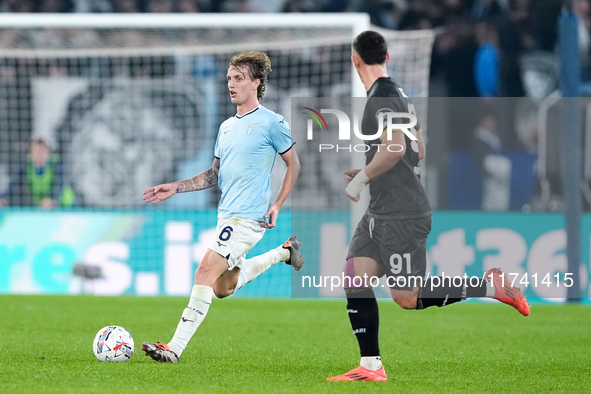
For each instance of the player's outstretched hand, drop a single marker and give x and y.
(159, 193)
(271, 216)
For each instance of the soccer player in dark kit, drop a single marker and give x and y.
(391, 238)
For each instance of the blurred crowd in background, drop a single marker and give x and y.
(484, 48)
(476, 53)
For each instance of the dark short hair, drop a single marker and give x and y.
(371, 47)
(259, 67)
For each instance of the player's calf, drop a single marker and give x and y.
(221, 291)
(406, 299)
(406, 303)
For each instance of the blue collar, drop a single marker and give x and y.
(248, 113)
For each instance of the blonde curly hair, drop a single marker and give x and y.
(258, 65)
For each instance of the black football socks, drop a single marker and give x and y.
(362, 308)
(438, 291)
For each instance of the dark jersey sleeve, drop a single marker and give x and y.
(396, 193)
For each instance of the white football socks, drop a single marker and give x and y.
(251, 268)
(192, 317)
(373, 363)
(201, 296)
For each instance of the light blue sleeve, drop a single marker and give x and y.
(216, 153)
(280, 134)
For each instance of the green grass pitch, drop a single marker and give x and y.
(268, 346)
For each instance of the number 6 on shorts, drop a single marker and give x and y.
(226, 233)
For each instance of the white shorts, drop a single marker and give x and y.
(234, 237)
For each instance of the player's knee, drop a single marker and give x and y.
(206, 275)
(406, 302)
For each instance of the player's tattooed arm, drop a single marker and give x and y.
(204, 180)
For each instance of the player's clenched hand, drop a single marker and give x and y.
(357, 179)
(159, 193)
(271, 216)
(350, 174)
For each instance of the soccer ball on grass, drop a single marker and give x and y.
(113, 344)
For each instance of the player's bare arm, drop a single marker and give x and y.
(204, 180)
(421, 142)
(292, 171)
(385, 158)
(388, 156)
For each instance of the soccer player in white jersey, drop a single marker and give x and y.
(245, 151)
